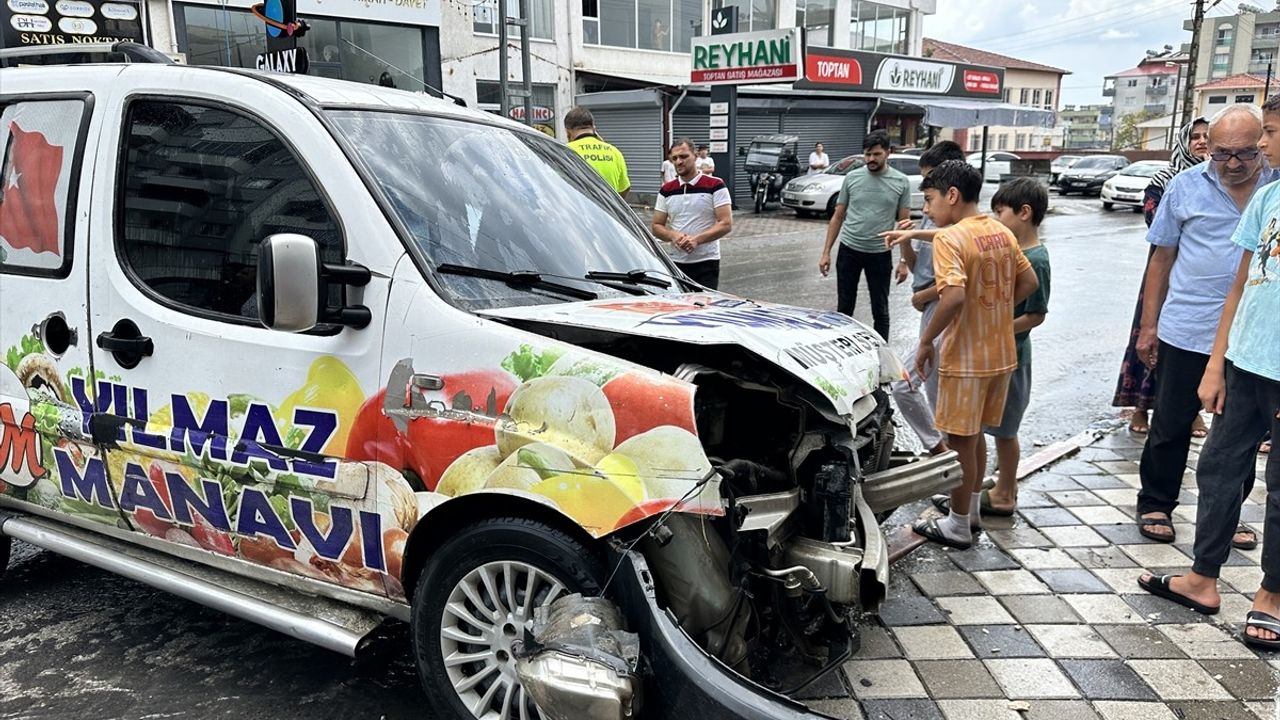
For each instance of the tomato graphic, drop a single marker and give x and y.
(648, 508)
(433, 443)
(211, 538)
(643, 402)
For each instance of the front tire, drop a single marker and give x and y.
(831, 206)
(1108, 206)
(475, 596)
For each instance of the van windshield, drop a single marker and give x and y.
(484, 197)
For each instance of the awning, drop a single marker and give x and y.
(966, 113)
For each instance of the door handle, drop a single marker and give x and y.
(126, 343)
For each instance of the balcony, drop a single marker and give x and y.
(1108, 92)
(1157, 90)
(1268, 40)
(1259, 67)
(1157, 108)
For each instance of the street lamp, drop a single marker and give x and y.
(1173, 114)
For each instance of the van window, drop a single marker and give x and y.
(202, 187)
(40, 145)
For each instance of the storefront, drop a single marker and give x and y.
(634, 121)
(394, 42)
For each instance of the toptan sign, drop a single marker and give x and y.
(753, 57)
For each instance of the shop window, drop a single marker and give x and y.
(1244, 98)
(753, 14)
(376, 53)
(485, 17)
(591, 22)
(666, 25)
(1217, 99)
(1020, 143)
(879, 28)
(203, 187)
(39, 182)
(1024, 96)
(817, 17)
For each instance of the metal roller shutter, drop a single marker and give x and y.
(840, 133)
(750, 126)
(637, 132)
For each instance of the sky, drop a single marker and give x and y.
(1090, 38)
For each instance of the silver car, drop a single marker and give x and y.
(816, 192)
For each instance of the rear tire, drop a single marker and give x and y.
(473, 598)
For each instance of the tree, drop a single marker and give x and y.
(1127, 135)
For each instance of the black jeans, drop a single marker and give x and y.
(1225, 475)
(879, 268)
(705, 273)
(1164, 459)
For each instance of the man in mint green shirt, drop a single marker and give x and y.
(872, 200)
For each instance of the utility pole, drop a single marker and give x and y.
(504, 84)
(1192, 61)
(1266, 89)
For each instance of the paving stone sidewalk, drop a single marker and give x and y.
(1043, 619)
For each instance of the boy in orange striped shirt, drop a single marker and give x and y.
(981, 274)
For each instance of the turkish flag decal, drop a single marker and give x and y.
(28, 182)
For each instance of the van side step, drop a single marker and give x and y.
(327, 623)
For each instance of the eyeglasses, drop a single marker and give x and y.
(1241, 155)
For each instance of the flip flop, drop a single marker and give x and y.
(1159, 586)
(1262, 621)
(1247, 545)
(1145, 522)
(929, 530)
(1139, 429)
(943, 503)
(1199, 431)
(1264, 448)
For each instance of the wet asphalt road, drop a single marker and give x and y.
(76, 642)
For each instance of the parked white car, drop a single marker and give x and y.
(1060, 165)
(997, 164)
(816, 193)
(1127, 186)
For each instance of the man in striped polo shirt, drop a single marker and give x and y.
(692, 213)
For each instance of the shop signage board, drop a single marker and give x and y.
(65, 22)
(541, 114)
(283, 30)
(858, 71)
(399, 12)
(719, 133)
(719, 121)
(719, 147)
(751, 57)
(720, 108)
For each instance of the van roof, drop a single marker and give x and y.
(317, 91)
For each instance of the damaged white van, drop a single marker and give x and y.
(320, 354)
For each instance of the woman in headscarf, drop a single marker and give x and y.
(1137, 384)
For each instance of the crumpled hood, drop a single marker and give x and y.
(837, 355)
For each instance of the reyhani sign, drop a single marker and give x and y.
(859, 71)
(754, 57)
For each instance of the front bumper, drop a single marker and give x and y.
(908, 480)
(684, 681)
(811, 201)
(1122, 196)
(1081, 184)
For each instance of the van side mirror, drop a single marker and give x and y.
(293, 286)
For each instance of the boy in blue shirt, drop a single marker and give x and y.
(1241, 386)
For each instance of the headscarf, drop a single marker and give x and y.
(1180, 159)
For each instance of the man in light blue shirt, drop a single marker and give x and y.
(1188, 277)
(1241, 386)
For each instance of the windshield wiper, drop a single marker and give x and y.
(635, 277)
(517, 278)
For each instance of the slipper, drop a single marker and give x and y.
(1159, 586)
(1248, 544)
(943, 503)
(1198, 430)
(1264, 448)
(1144, 523)
(929, 530)
(1262, 621)
(1139, 429)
